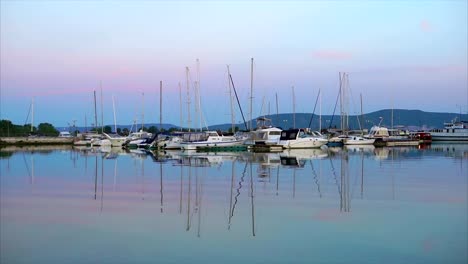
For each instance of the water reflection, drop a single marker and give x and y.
(223, 196)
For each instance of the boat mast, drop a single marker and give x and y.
(277, 114)
(102, 111)
(294, 107)
(32, 115)
(115, 120)
(199, 96)
(362, 118)
(160, 107)
(320, 113)
(180, 106)
(95, 111)
(233, 119)
(251, 92)
(188, 98)
(142, 110)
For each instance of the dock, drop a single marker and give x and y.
(23, 141)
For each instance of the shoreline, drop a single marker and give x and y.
(27, 141)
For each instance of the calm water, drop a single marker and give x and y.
(383, 205)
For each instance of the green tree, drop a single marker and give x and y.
(47, 129)
(119, 131)
(152, 129)
(107, 129)
(125, 132)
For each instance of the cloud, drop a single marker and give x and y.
(425, 26)
(331, 55)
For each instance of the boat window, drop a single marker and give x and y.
(275, 133)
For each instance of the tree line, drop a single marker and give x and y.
(8, 129)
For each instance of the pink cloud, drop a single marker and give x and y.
(332, 55)
(425, 26)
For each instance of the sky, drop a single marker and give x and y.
(398, 54)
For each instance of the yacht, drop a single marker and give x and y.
(265, 134)
(453, 131)
(116, 139)
(207, 139)
(301, 138)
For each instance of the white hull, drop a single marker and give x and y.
(396, 143)
(219, 144)
(308, 142)
(437, 136)
(358, 141)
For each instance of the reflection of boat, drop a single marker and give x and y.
(300, 138)
(306, 154)
(202, 159)
(360, 148)
(453, 131)
(299, 157)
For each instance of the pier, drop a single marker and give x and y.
(22, 141)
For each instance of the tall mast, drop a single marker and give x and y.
(199, 96)
(32, 114)
(115, 120)
(142, 110)
(95, 111)
(294, 108)
(188, 98)
(160, 106)
(102, 111)
(277, 114)
(251, 93)
(320, 113)
(341, 104)
(233, 120)
(180, 106)
(362, 117)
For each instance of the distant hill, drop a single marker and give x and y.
(414, 119)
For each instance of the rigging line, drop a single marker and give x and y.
(336, 103)
(238, 189)
(242, 113)
(315, 178)
(27, 166)
(334, 175)
(313, 113)
(29, 112)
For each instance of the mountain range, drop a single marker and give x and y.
(412, 119)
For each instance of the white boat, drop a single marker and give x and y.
(115, 139)
(358, 140)
(299, 138)
(192, 141)
(265, 134)
(170, 142)
(136, 138)
(453, 131)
